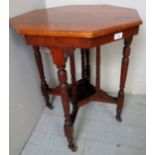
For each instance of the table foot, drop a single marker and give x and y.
(118, 115)
(73, 147)
(47, 100)
(50, 106)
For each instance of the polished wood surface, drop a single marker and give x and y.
(61, 30)
(73, 42)
(87, 21)
(59, 60)
(124, 70)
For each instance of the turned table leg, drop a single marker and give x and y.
(44, 86)
(85, 63)
(97, 69)
(88, 64)
(74, 89)
(59, 60)
(124, 69)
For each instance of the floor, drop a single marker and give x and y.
(96, 130)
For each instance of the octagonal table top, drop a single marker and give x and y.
(80, 21)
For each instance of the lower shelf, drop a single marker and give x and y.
(86, 92)
(84, 89)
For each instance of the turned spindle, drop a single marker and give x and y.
(97, 69)
(124, 70)
(44, 86)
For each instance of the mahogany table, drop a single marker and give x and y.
(62, 29)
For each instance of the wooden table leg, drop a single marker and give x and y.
(85, 63)
(44, 86)
(88, 64)
(124, 69)
(59, 60)
(97, 69)
(74, 88)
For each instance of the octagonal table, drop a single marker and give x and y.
(62, 29)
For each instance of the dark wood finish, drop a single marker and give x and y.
(97, 68)
(59, 60)
(83, 63)
(84, 89)
(87, 67)
(73, 87)
(62, 29)
(44, 86)
(124, 69)
(73, 78)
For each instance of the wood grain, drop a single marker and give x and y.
(88, 21)
(73, 42)
(62, 29)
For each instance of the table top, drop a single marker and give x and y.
(80, 21)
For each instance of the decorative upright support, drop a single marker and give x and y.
(83, 63)
(85, 54)
(74, 89)
(73, 79)
(124, 69)
(88, 64)
(44, 86)
(59, 60)
(97, 68)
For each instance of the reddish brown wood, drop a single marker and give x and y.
(101, 96)
(73, 87)
(54, 91)
(44, 86)
(124, 69)
(86, 92)
(58, 55)
(83, 63)
(97, 68)
(87, 21)
(73, 72)
(87, 68)
(64, 28)
(72, 42)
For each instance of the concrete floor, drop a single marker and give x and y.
(96, 130)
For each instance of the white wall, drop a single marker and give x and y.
(26, 101)
(112, 53)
